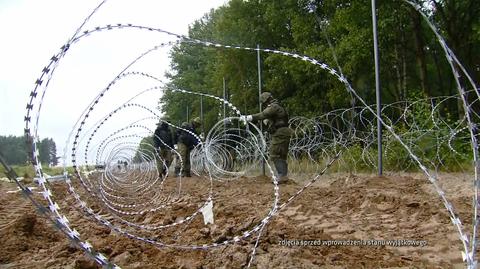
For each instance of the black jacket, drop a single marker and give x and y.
(186, 138)
(163, 134)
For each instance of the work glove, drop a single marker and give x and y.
(246, 118)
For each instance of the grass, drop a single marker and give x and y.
(27, 171)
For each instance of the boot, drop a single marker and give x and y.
(177, 171)
(282, 170)
(164, 172)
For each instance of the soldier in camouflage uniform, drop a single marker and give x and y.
(275, 118)
(230, 141)
(163, 142)
(185, 143)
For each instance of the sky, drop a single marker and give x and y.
(32, 32)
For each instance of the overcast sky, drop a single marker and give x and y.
(32, 32)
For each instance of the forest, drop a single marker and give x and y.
(338, 33)
(14, 150)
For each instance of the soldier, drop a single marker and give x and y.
(163, 143)
(231, 140)
(185, 143)
(275, 118)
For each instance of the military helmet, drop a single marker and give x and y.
(265, 96)
(164, 119)
(184, 125)
(197, 121)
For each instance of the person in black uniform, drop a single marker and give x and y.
(163, 143)
(185, 143)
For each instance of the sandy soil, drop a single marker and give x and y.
(346, 208)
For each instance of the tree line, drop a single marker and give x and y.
(336, 32)
(15, 152)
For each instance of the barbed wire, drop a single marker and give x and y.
(232, 150)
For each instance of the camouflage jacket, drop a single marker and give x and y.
(274, 116)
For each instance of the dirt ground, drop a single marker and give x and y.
(339, 208)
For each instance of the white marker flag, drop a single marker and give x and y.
(207, 212)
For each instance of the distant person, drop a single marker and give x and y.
(163, 143)
(185, 143)
(275, 117)
(231, 141)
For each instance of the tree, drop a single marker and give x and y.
(338, 33)
(48, 152)
(14, 149)
(145, 150)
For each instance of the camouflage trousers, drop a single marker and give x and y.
(231, 159)
(279, 144)
(184, 153)
(165, 155)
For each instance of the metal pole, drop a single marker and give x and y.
(201, 113)
(377, 89)
(224, 97)
(224, 112)
(260, 93)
